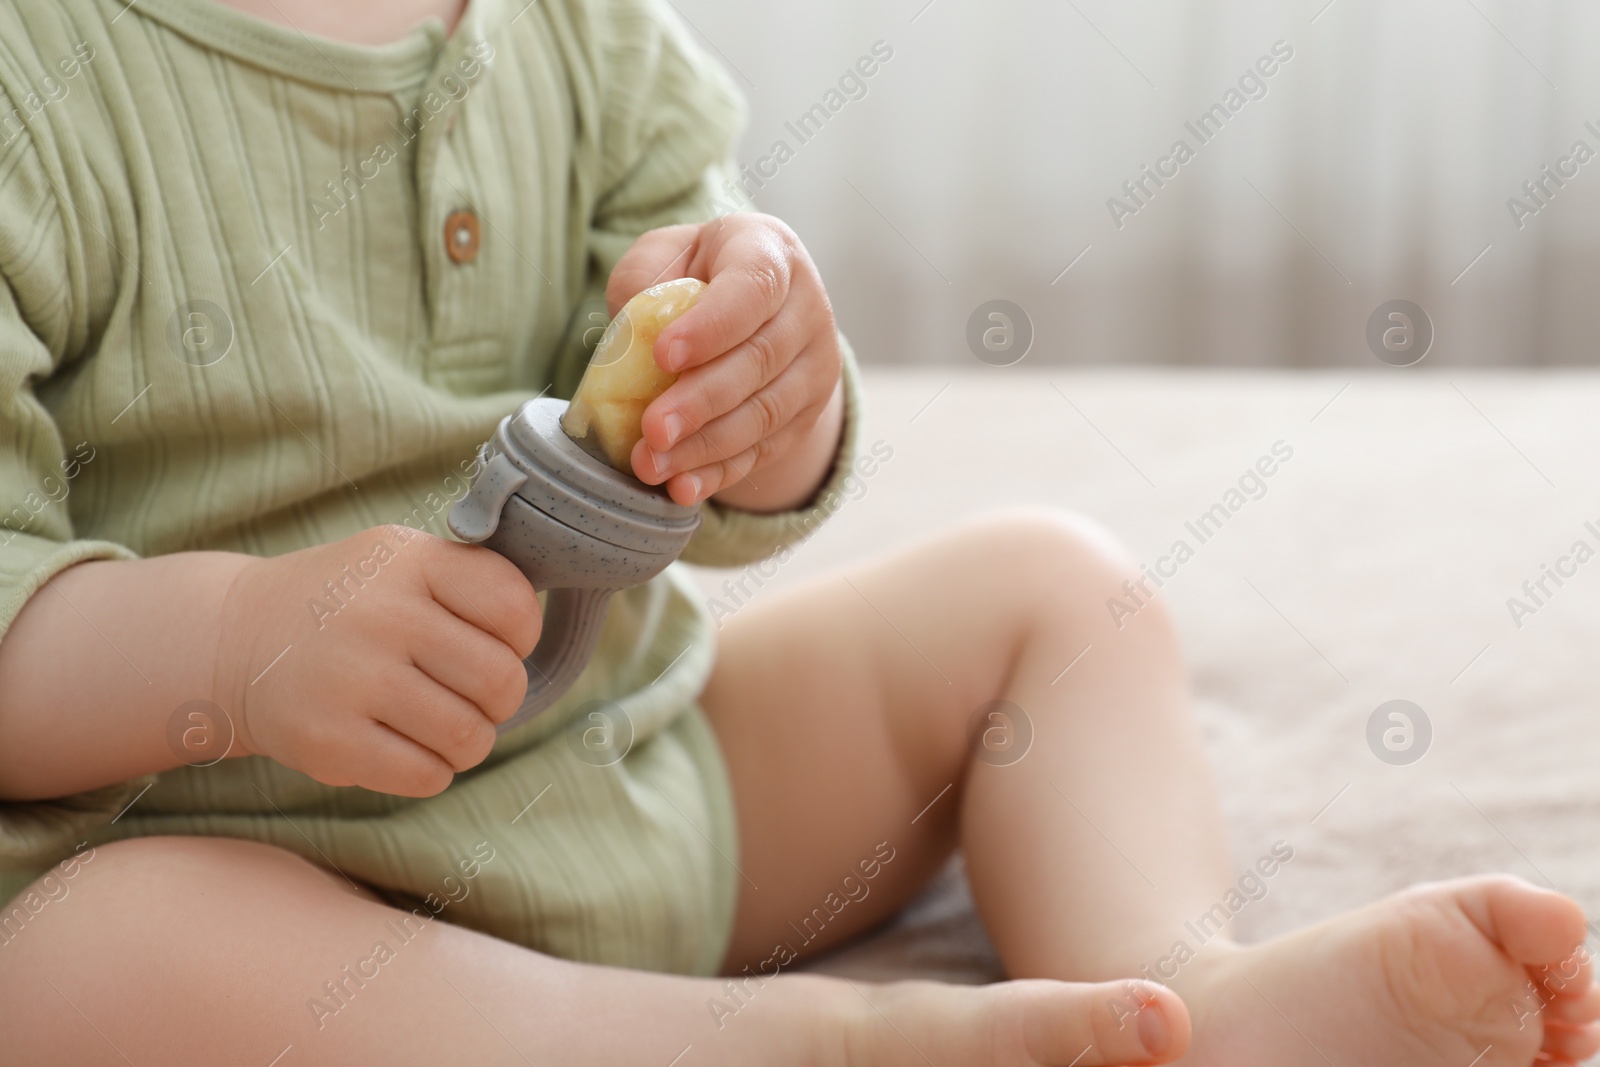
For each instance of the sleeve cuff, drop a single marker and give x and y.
(36, 834)
(27, 562)
(729, 537)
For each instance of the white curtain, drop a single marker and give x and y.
(1374, 163)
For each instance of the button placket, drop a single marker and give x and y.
(449, 218)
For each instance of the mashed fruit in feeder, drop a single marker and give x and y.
(622, 377)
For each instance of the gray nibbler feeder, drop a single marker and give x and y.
(575, 527)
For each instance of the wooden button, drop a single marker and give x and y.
(461, 236)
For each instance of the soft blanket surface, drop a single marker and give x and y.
(1377, 565)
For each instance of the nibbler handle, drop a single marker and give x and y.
(572, 619)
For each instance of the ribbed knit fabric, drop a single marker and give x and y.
(232, 320)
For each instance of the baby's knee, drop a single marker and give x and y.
(158, 866)
(1050, 546)
(140, 883)
(123, 891)
(1061, 563)
(152, 929)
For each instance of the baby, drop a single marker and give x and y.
(274, 269)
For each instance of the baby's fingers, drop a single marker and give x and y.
(696, 484)
(441, 721)
(716, 388)
(749, 275)
(744, 439)
(484, 588)
(378, 757)
(466, 660)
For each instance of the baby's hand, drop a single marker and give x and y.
(383, 660)
(758, 354)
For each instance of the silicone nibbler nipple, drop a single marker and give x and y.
(623, 376)
(574, 519)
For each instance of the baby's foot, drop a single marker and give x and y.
(1013, 1024)
(1480, 972)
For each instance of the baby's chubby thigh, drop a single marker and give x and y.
(146, 939)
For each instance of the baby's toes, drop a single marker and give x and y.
(1536, 927)
(1568, 989)
(1110, 1023)
(1570, 1044)
(1029, 1023)
(1573, 1004)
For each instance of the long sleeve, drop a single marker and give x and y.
(667, 123)
(38, 467)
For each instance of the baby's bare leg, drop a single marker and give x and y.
(844, 708)
(195, 950)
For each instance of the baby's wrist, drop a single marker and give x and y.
(238, 615)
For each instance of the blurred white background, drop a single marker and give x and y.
(1378, 165)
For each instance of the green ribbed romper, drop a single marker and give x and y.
(264, 291)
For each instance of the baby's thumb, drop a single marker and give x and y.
(656, 256)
